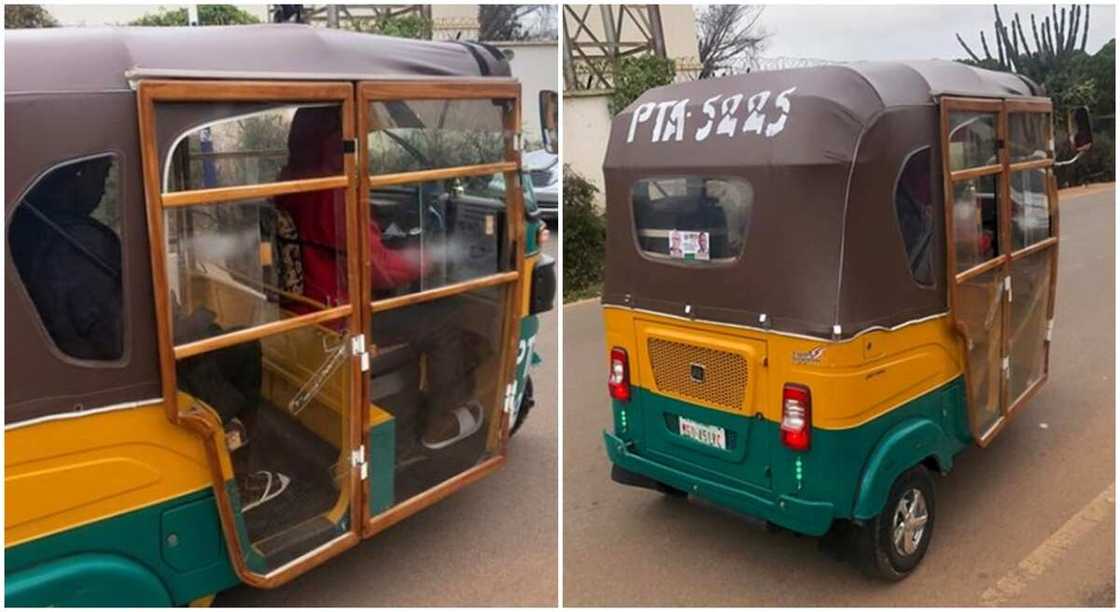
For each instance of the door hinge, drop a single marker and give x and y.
(358, 349)
(1007, 286)
(1006, 367)
(508, 404)
(517, 141)
(358, 460)
(1049, 329)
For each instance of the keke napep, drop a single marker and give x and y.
(264, 299)
(822, 284)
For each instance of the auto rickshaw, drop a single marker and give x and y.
(822, 284)
(262, 302)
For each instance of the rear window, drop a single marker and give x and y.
(693, 219)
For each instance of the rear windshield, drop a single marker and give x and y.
(693, 219)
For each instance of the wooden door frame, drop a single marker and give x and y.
(450, 89)
(1004, 260)
(205, 423)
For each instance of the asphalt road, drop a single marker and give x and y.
(492, 543)
(1030, 520)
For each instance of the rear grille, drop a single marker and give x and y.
(725, 374)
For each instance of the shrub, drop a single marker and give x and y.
(584, 235)
(635, 75)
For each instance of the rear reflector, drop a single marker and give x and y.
(619, 380)
(797, 416)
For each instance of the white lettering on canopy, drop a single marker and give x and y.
(764, 116)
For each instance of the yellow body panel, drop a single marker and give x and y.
(527, 285)
(852, 381)
(64, 473)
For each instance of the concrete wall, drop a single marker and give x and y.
(536, 65)
(586, 123)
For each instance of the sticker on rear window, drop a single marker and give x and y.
(689, 245)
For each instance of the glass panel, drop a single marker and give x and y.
(976, 220)
(692, 218)
(65, 243)
(972, 140)
(1030, 208)
(1030, 287)
(248, 146)
(435, 391)
(250, 262)
(1029, 136)
(979, 310)
(913, 203)
(410, 135)
(284, 403)
(428, 235)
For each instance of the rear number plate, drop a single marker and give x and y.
(708, 435)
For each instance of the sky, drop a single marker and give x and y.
(848, 33)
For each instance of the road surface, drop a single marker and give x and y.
(492, 543)
(1028, 521)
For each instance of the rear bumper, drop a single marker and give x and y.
(808, 517)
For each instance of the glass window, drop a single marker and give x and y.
(250, 262)
(980, 313)
(1030, 286)
(264, 146)
(65, 243)
(913, 203)
(1029, 136)
(972, 140)
(1030, 208)
(428, 235)
(692, 218)
(976, 220)
(411, 135)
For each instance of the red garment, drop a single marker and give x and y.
(321, 226)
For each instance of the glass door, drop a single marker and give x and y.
(1002, 248)
(252, 209)
(441, 193)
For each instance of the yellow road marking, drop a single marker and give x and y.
(1051, 551)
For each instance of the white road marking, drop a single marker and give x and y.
(1051, 551)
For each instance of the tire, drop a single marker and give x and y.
(878, 554)
(527, 403)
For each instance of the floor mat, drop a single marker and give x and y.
(280, 444)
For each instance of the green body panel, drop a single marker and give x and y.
(126, 559)
(382, 459)
(526, 355)
(844, 475)
(253, 559)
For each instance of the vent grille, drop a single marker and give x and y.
(725, 374)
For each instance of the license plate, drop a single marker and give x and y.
(708, 435)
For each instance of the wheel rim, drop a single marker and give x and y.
(909, 522)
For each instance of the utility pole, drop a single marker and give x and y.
(192, 14)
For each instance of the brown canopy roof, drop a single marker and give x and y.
(824, 250)
(98, 59)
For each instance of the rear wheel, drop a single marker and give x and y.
(892, 544)
(527, 403)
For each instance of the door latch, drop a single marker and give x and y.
(1007, 286)
(358, 460)
(358, 349)
(508, 404)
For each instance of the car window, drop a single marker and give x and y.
(913, 204)
(692, 219)
(65, 241)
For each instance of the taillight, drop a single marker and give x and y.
(619, 381)
(797, 416)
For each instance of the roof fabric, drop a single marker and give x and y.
(97, 59)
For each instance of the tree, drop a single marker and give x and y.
(18, 16)
(504, 21)
(1055, 47)
(208, 15)
(636, 74)
(728, 32)
(401, 26)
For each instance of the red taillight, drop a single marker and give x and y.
(619, 381)
(797, 416)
